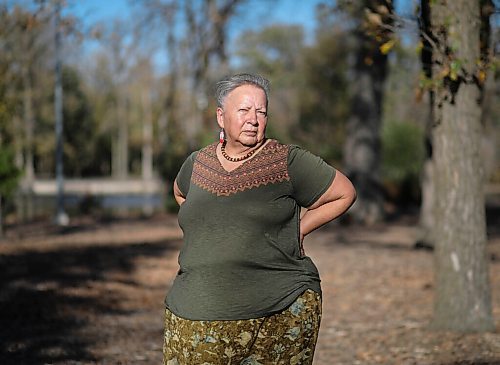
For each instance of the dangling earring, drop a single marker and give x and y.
(222, 136)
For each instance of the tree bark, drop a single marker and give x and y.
(29, 170)
(29, 125)
(463, 296)
(147, 136)
(1, 218)
(362, 148)
(426, 228)
(123, 138)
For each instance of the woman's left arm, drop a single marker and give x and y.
(339, 196)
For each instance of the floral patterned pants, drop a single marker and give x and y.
(288, 337)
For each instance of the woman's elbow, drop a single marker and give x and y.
(350, 194)
(353, 196)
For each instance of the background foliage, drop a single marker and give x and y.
(112, 86)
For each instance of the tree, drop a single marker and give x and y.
(116, 79)
(277, 51)
(324, 96)
(372, 37)
(24, 52)
(463, 296)
(79, 127)
(194, 33)
(207, 56)
(9, 172)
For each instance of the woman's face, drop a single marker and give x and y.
(244, 116)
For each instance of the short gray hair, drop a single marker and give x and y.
(228, 84)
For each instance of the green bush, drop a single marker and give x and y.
(9, 178)
(402, 157)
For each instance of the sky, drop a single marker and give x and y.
(259, 14)
(286, 11)
(262, 13)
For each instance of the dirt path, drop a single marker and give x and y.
(93, 295)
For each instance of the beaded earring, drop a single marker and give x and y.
(222, 136)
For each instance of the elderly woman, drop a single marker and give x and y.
(245, 292)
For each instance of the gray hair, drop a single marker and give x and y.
(228, 84)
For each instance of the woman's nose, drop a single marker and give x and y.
(254, 117)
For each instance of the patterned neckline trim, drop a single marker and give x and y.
(255, 155)
(267, 166)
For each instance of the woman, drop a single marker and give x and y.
(245, 292)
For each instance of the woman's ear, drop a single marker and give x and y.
(220, 117)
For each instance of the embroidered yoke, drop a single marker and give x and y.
(241, 253)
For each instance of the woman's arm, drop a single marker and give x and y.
(339, 196)
(179, 198)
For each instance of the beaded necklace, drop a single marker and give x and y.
(235, 159)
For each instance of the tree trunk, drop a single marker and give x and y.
(463, 299)
(426, 224)
(362, 148)
(29, 170)
(1, 218)
(426, 228)
(120, 143)
(29, 125)
(147, 136)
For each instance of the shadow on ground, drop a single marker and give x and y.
(45, 299)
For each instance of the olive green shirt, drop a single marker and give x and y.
(241, 253)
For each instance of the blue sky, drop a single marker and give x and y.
(288, 11)
(259, 14)
(262, 12)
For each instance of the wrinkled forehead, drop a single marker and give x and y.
(247, 93)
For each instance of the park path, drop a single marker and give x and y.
(93, 295)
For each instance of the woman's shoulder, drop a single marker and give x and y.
(292, 152)
(277, 145)
(207, 150)
(290, 147)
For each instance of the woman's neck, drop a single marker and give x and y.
(237, 149)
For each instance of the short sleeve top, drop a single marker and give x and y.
(241, 257)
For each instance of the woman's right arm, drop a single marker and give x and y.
(179, 198)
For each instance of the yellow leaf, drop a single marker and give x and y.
(481, 76)
(453, 75)
(387, 46)
(419, 47)
(382, 9)
(374, 18)
(419, 93)
(445, 71)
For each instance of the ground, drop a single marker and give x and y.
(93, 293)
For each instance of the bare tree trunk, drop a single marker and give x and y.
(115, 155)
(19, 163)
(120, 144)
(362, 148)
(147, 147)
(123, 138)
(207, 39)
(463, 296)
(29, 125)
(426, 234)
(147, 136)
